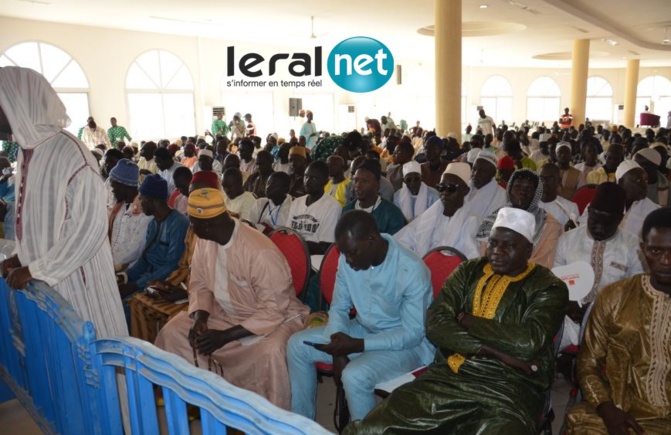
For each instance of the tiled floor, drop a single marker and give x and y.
(15, 420)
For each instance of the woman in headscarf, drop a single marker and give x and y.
(61, 217)
(524, 191)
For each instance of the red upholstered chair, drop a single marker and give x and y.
(442, 261)
(584, 196)
(327, 277)
(295, 250)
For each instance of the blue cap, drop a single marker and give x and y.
(154, 186)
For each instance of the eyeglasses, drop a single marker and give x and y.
(218, 369)
(449, 188)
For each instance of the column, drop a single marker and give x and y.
(630, 88)
(448, 66)
(579, 69)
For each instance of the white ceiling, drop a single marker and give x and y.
(549, 26)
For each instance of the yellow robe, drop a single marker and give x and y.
(626, 358)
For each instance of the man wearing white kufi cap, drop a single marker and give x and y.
(207, 162)
(493, 323)
(448, 222)
(415, 197)
(633, 179)
(658, 185)
(486, 196)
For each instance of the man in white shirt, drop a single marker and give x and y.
(273, 211)
(486, 196)
(92, 135)
(415, 197)
(246, 152)
(207, 162)
(613, 253)
(238, 202)
(315, 215)
(486, 124)
(128, 225)
(166, 167)
(309, 131)
(448, 222)
(561, 208)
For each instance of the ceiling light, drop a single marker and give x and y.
(612, 42)
(484, 6)
(666, 39)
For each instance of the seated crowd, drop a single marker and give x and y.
(198, 276)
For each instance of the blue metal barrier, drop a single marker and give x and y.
(67, 380)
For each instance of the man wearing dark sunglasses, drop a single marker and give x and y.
(448, 222)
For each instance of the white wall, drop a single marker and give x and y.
(106, 54)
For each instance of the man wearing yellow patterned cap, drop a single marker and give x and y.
(242, 303)
(493, 324)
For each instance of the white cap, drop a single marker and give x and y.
(206, 152)
(650, 155)
(412, 166)
(564, 145)
(453, 135)
(472, 155)
(518, 220)
(624, 167)
(461, 170)
(487, 156)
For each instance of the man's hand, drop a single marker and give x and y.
(341, 345)
(576, 312)
(19, 277)
(172, 294)
(465, 320)
(167, 291)
(127, 289)
(339, 364)
(528, 367)
(10, 263)
(211, 340)
(199, 326)
(616, 420)
(569, 225)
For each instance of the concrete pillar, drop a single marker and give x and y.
(630, 88)
(448, 66)
(579, 69)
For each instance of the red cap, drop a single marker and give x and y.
(506, 162)
(209, 178)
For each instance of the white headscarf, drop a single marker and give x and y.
(31, 105)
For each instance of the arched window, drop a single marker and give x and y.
(543, 100)
(496, 97)
(654, 92)
(160, 96)
(64, 74)
(599, 104)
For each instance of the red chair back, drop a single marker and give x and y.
(584, 196)
(327, 272)
(295, 250)
(442, 261)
